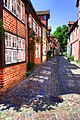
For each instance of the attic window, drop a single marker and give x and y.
(44, 17)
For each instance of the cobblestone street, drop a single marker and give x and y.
(51, 92)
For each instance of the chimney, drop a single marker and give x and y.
(71, 23)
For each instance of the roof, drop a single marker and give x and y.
(77, 3)
(73, 27)
(46, 12)
(71, 22)
(29, 2)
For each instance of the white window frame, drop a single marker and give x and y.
(6, 55)
(14, 60)
(15, 49)
(7, 40)
(15, 14)
(37, 50)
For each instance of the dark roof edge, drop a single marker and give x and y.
(77, 3)
(29, 2)
(73, 27)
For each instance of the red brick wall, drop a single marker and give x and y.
(26, 39)
(9, 22)
(10, 76)
(20, 29)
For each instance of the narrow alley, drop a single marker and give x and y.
(51, 92)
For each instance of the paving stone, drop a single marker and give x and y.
(30, 99)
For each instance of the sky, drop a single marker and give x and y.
(61, 11)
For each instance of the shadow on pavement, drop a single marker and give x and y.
(32, 93)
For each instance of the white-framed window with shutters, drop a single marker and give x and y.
(14, 49)
(37, 50)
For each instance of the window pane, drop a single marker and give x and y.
(19, 43)
(14, 42)
(8, 56)
(14, 6)
(23, 44)
(14, 55)
(8, 40)
(21, 55)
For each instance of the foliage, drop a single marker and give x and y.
(31, 33)
(64, 53)
(49, 54)
(78, 61)
(60, 34)
(30, 65)
(71, 58)
(38, 39)
(32, 45)
(28, 73)
(2, 30)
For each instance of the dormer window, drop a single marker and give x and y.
(44, 17)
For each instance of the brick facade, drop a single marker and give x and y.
(16, 24)
(10, 76)
(73, 46)
(9, 22)
(20, 29)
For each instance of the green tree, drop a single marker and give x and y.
(60, 33)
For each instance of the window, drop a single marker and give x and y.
(8, 56)
(14, 42)
(21, 55)
(39, 31)
(30, 21)
(23, 12)
(37, 50)
(21, 43)
(44, 49)
(19, 8)
(8, 41)
(14, 56)
(34, 26)
(21, 49)
(14, 49)
(16, 7)
(44, 17)
(44, 34)
(7, 3)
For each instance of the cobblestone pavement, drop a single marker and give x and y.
(52, 92)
